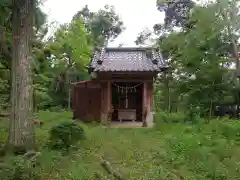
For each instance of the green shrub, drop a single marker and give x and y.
(230, 129)
(176, 117)
(161, 117)
(65, 135)
(18, 168)
(170, 117)
(192, 117)
(56, 109)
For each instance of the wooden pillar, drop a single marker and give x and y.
(147, 102)
(103, 102)
(106, 100)
(109, 96)
(145, 93)
(144, 97)
(150, 95)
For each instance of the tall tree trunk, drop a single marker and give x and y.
(21, 129)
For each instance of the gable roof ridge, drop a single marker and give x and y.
(127, 59)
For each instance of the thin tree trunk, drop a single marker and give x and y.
(210, 110)
(211, 103)
(69, 98)
(21, 129)
(168, 100)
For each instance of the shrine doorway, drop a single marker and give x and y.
(127, 100)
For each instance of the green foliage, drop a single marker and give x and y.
(18, 168)
(173, 151)
(227, 128)
(4, 97)
(176, 13)
(65, 135)
(176, 117)
(3, 131)
(71, 45)
(99, 24)
(6, 47)
(199, 57)
(59, 60)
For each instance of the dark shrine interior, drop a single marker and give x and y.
(132, 91)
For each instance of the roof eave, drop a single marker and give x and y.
(124, 71)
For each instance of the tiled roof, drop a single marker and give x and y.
(126, 59)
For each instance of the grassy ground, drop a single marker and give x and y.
(169, 151)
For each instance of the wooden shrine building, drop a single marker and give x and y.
(121, 79)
